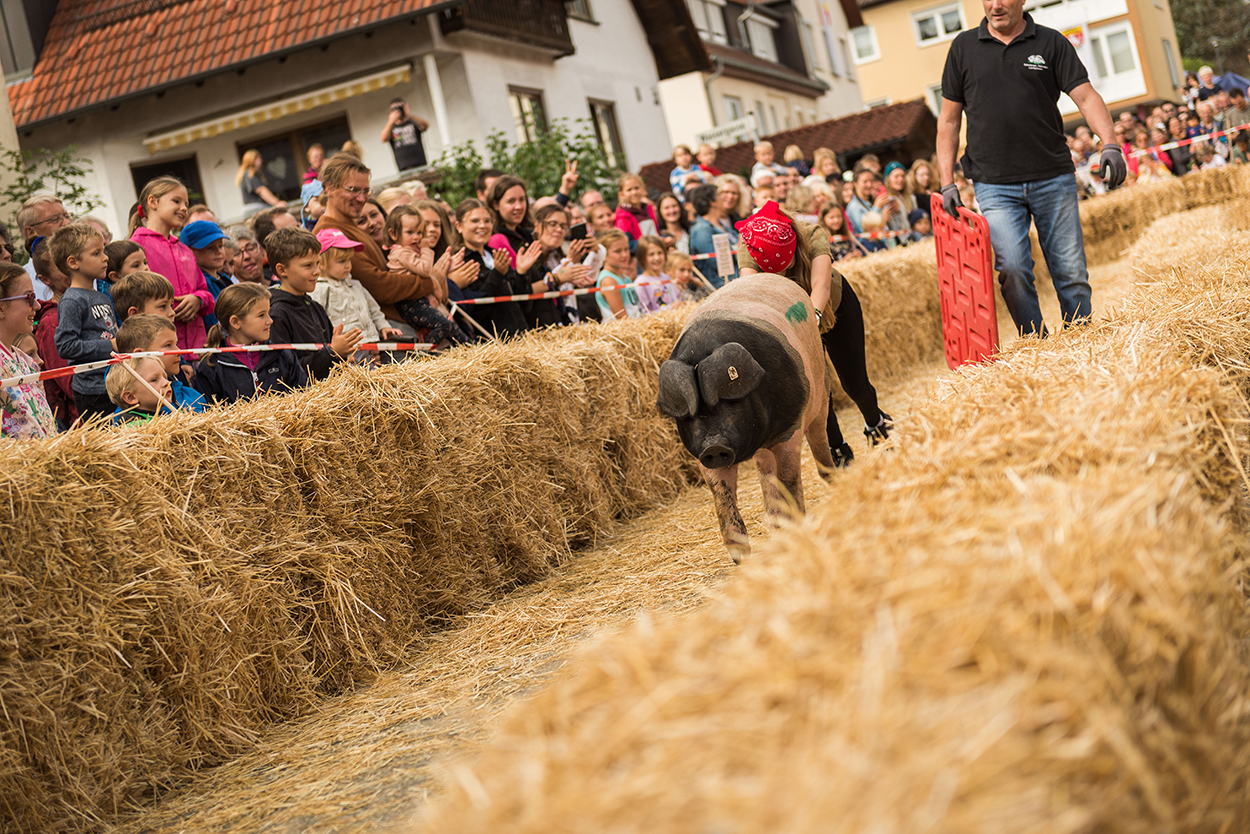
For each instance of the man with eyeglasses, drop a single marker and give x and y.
(346, 182)
(40, 216)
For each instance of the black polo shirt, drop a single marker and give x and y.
(1010, 93)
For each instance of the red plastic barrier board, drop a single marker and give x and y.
(966, 281)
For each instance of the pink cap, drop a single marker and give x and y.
(335, 239)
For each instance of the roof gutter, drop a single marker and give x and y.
(26, 127)
(707, 85)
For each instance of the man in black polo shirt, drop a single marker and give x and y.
(403, 130)
(1007, 75)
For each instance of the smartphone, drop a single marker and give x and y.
(577, 231)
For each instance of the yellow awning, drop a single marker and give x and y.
(277, 109)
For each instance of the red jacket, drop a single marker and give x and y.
(60, 395)
(627, 223)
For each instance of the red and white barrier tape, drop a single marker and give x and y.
(1180, 143)
(832, 239)
(74, 370)
(536, 296)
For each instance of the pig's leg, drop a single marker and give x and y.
(780, 477)
(818, 441)
(724, 485)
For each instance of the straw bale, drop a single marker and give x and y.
(1024, 616)
(171, 590)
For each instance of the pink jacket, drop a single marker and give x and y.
(175, 260)
(627, 223)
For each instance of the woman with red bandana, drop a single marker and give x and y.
(770, 243)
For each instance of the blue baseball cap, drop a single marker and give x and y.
(199, 234)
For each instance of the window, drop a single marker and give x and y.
(809, 45)
(865, 40)
(846, 58)
(875, 103)
(709, 19)
(733, 107)
(759, 114)
(184, 169)
(580, 9)
(937, 25)
(603, 114)
(763, 42)
(285, 155)
(935, 98)
(1172, 73)
(1114, 54)
(528, 113)
(835, 50)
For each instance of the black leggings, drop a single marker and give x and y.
(844, 342)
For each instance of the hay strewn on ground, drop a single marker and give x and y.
(1024, 617)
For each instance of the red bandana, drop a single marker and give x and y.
(770, 237)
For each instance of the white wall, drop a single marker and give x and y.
(686, 108)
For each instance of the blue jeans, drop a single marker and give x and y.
(1052, 205)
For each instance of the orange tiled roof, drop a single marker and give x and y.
(98, 51)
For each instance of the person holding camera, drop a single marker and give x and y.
(403, 131)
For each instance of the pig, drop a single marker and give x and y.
(747, 378)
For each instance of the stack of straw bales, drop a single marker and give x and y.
(1025, 616)
(169, 591)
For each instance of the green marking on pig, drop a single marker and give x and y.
(797, 314)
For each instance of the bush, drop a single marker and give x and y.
(539, 163)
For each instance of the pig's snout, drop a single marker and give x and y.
(716, 457)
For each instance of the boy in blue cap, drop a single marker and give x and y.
(208, 242)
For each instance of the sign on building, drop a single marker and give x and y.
(730, 132)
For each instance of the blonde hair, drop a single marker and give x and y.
(610, 237)
(353, 147)
(793, 153)
(630, 177)
(249, 159)
(871, 221)
(138, 331)
(762, 146)
(389, 198)
(120, 379)
(155, 189)
(799, 199)
(824, 153)
(677, 259)
(334, 255)
(744, 192)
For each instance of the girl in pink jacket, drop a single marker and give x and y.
(162, 210)
(634, 217)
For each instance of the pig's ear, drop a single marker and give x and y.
(679, 396)
(728, 374)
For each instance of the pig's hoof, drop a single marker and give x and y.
(738, 552)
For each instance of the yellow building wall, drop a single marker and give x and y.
(1153, 25)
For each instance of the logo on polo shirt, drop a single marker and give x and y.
(1035, 62)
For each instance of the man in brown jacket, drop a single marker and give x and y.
(346, 187)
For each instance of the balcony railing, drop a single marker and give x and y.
(541, 23)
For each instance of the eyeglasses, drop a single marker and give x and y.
(357, 192)
(554, 224)
(59, 219)
(30, 298)
(249, 248)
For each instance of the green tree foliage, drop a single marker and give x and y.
(31, 172)
(539, 163)
(1198, 21)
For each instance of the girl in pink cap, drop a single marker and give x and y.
(770, 242)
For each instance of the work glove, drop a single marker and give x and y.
(1111, 167)
(951, 201)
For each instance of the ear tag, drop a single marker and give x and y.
(733, 372)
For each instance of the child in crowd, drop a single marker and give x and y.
(405, 229)
(146, 332)
(243, 319)
(614, 303)
(86, 323)
(58, 391)
(765, 158)
(139, 388)
(125, 257)
(208, 245)
(634, 216)
(763, 194)
(921, 226)
(161, 211)
(600, 219)
(24, 411)
(344, 300)
(656, 290)
(686, 173)
(680, 267)
(707, 160)
(296, 255)
(833, 221)
(143, 292)
(873, 223)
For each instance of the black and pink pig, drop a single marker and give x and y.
(748, 378)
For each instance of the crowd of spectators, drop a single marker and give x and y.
(351, 267)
